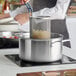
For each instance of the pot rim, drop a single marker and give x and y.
(40, 17)
(58, 37)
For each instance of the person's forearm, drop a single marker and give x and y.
(4, 15)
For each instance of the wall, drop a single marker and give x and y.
(71, 26)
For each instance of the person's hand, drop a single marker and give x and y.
(2, 16)
(26, 1)
(22, 18)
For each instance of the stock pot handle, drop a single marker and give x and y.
(65, 40)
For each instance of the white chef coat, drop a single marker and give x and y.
(56, 12)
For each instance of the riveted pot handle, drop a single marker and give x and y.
(66, 40)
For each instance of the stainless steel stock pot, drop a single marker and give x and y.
(41, 50)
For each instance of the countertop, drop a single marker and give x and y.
(8, 68)
(9, 24)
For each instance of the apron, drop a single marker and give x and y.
(40, 4)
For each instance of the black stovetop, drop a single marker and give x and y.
(24, 63)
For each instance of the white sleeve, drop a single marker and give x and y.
(57, 12)
(19, 10)
(25, 27)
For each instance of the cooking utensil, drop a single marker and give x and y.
(41, 50)
(40, 27)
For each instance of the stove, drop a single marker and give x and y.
(24, 63)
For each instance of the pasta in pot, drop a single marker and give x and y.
(40, 34)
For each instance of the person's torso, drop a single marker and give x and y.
(40, 4)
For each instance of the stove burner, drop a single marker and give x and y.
(24, 63)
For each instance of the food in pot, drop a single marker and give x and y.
(40, 34)
(70, 73)
(51, 73)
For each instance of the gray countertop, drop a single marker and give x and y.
(8, 68)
